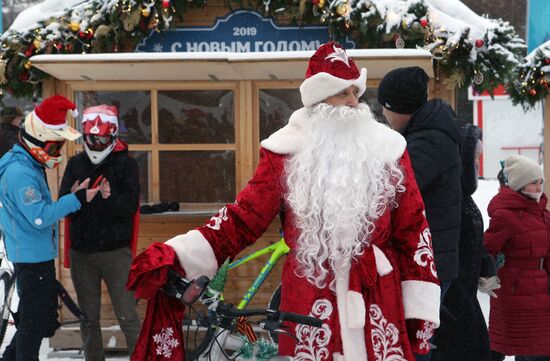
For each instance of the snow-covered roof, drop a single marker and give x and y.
(216, 65)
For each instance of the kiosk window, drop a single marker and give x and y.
(196, 117)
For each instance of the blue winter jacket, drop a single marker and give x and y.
(28, 216)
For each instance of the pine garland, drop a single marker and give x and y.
(104, 26)
(531, 78)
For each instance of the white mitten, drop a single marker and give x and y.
(488, 285)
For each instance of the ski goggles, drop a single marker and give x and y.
(53, 148)
(98, 142)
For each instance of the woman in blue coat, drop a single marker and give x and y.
(28, 219)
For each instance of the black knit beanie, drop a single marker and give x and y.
(404, 90)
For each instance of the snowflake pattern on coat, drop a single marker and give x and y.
(385, 337)
(424, 255)
(314, 340)
(165, 342)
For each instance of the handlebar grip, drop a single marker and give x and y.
(303, 319)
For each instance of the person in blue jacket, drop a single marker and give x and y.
(28, 220)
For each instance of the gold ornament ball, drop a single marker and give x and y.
(342, 9)
(27, 65)
(74, 26)
(145, 12)
(37, 44)
(321, 4)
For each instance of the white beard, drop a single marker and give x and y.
(338, 188)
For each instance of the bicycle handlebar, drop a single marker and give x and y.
(188, 292)
(228, 310)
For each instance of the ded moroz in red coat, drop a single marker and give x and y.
(394, 280)
(519, 319)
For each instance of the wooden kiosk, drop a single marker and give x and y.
(194, 122)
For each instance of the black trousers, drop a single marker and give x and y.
(37, 310)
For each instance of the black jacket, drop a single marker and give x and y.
(9, 135)
(463, 332)
(433, 141)
(103, 224)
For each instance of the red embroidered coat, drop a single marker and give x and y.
(393, 281)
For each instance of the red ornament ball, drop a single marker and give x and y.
(165, 4)
(424, 22)
(479, 43)
(532, 92)
(547, 60)
(24, 76)
(28, 52)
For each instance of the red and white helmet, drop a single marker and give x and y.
(100, 129)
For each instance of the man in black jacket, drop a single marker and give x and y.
(433, 141)
(101, 232)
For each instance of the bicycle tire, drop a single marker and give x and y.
(6, 283)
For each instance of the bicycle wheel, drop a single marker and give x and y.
(198, 333)
(6, 283)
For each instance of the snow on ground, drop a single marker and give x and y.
(486, 190)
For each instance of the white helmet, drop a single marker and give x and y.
(100, 128)
(45, 130)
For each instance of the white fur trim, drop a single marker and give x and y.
(356, 310)
(421, 300)
(288, 139)
(322, 85)
(388, 144)
(353, 339)
(74, 113)
(383, 265)
(337, 356)
(195, 254)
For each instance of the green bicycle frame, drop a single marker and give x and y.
(277, 250)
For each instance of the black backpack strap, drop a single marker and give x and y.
(68, 301)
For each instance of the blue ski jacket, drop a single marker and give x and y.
(28, 216)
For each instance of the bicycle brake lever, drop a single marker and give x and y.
(270, 325)
(286, 333)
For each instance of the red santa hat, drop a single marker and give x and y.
(51, 114)
(330, 70)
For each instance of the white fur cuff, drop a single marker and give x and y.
(195, 254)
(421, 300)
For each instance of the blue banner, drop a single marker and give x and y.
(538, 23)
(241, 31)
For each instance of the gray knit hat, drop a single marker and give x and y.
(521, 171)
